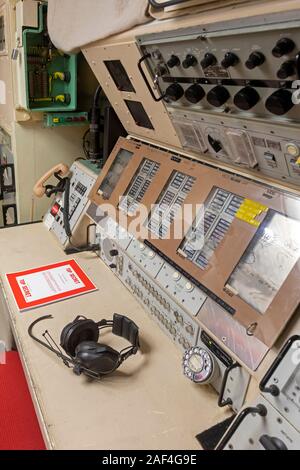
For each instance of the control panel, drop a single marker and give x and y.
(226, 248)
(172, 301)
(272, 423)
(247, 70)
(268, 148)
(82, 178)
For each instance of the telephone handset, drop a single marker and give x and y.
(65, 217)
(60, 171)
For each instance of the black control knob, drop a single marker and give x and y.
(194, 93)
(113, 252)
(230, 60)
(288, 69)
(218, 96)
(272, 389)
(280, 102)
(208, 60)
(161, 70)
(174, 92)
(255, 60)
(272, 443)
(173, 61)
(283, 46)
(246, 98)
(189, 61)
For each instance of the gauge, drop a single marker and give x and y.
(198, 365)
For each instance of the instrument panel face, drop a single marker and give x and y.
(169, 203)
(271, 149)
(250, 71)
(237, 239)
(138, 186)
(231, 87)
(210, 229)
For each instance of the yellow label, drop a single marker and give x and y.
(249, 211)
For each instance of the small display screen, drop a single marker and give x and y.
(169, 203)
(115, 172)
(210, 227)
(267, 262)
(138, 186)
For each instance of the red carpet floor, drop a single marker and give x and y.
(19, 428)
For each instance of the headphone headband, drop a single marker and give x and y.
(79, 340)
(125, 328)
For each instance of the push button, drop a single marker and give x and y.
(55, 209)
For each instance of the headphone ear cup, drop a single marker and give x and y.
(97, 357)
(76, 332)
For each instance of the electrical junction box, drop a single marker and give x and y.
(50, 75)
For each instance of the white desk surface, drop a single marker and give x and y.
(146, 404)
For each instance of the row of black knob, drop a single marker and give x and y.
(256, 59)
(278, 103)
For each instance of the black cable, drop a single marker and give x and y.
(66, 219)
(66, 208)
(97, 96)
(94, 130)
(168, 3)
(85, 143)
(66, 359)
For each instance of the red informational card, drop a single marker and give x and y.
(46, 284)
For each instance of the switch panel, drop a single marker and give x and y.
(83, 177)
(169, 203)
(139, 186)
(145, 257)
(181, 289)
(211, 228)
(247, 67)
(270, 149)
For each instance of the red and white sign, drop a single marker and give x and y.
(47, 284)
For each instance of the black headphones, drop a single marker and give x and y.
(79, 339)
